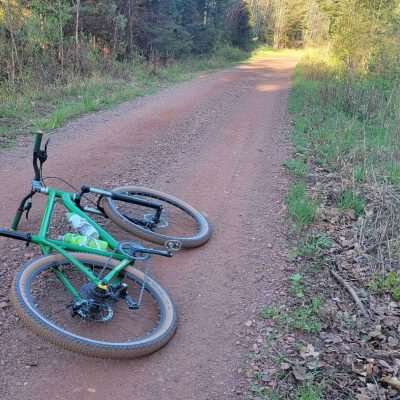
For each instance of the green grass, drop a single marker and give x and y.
(264, 393)
(349, 200)
(389, 283)
(301, 208)
(263, 52)
(346, 124)
(269, 312)
(304, 318)
(359, 174)
(313, 246)
(393, 173)
(296, 285)
(309, 391)
(297, 167)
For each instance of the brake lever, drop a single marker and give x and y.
(45, 146)
(27, 208)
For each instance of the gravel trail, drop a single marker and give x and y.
(217, 142)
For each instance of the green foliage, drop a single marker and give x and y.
(349, 200)
(346, 123)
(306, 318)
(297, 167)
(387, 283)
(229, 53)
(313, 246)
(300, 207)
(239, 25)
(45, 41)
(309, 391)
(263, 392)
(359, 174)
(393, 173)
(296, 285)
(357, 26)
(269, 312)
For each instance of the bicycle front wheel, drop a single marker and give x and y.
(116, 331)
(179, 220)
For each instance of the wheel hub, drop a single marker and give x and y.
(93, 306)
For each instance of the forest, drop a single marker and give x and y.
(45, 41)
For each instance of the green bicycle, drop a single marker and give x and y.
(90, 299)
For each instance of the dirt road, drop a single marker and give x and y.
(218, 142)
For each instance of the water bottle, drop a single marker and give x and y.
(80, 225)
(84, 241)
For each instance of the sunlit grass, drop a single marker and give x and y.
(263, 52)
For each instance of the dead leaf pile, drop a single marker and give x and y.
(356, 354)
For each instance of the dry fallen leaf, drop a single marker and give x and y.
(392, 382)
(308, 351)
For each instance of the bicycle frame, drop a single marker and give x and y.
(71, 202)
(48, 246)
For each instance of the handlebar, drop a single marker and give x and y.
(38, 141)
(38, 154)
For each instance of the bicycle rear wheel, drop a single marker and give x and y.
(42, 302)
(179, 220)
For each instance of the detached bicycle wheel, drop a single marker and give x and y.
(179, 220)
(114, 331)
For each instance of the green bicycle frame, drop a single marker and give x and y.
(49, 246)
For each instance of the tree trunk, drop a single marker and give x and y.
(61, 38)
(130, 27)
(77, 44)
(13, 45)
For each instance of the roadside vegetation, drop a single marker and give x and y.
(60, 59)
(50, 106)
(335, 336)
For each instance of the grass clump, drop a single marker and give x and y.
(309, 391)
(359, 174)
(306, 318)
(301, 208)
(269, 312)
(297, 167)
(349, 200)
(296, 285)
(389, 283)
(314, 246)
(393, 173)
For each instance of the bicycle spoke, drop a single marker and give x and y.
(52, 300)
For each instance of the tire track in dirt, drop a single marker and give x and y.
(217, 142)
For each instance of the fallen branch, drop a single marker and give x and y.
(352, 292)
